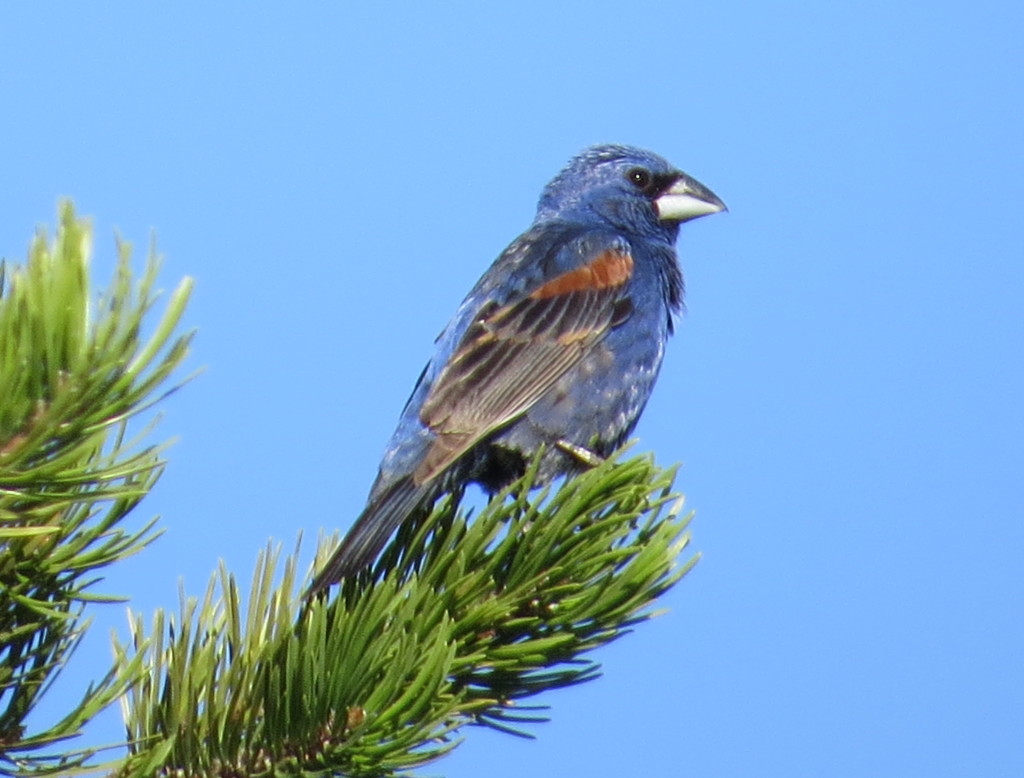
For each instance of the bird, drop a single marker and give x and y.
(556, 348)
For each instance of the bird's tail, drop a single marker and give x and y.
(371, 531)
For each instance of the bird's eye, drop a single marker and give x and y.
(639, 177)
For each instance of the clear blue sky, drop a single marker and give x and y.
(844, 392)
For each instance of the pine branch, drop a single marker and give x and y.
(70, 380)
(466, 620)
(460, 623)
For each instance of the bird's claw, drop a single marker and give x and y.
(584, 455)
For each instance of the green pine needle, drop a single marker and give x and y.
(72, 375)
(459, 623)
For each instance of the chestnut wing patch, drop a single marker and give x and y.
(512, 354)
(610, 269)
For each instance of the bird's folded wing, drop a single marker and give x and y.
(513, 353)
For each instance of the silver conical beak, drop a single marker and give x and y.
(687, 199)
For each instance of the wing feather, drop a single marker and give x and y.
(514, 353)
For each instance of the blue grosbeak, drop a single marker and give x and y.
(558, 345)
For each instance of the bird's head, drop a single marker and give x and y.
(632, 189)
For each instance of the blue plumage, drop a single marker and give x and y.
(558, 344)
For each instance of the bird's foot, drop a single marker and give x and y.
(584, 455)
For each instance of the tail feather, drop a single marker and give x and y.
(370, 533)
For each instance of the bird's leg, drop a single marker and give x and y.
(584, 455)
